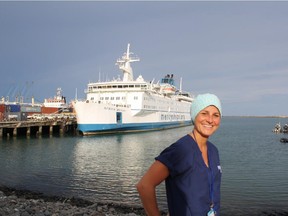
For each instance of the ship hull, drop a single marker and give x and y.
(91, 129)
(93, 118)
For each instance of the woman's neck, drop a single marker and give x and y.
(202, 145)
(199, 139)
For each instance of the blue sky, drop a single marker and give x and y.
(236, 50)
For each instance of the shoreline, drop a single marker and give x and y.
(25, 202)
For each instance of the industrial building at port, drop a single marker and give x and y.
(19, 118)
(28, 120)
(20, 111)
(23, 112)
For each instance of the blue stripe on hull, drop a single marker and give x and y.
(87, 129)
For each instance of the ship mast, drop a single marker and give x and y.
(124, 64)
(58, 93)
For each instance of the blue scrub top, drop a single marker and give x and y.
(188, 186)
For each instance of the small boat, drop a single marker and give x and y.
(284, 140)
(280, 129)
(277, 128)
(285, 128)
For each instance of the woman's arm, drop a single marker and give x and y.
(157, 173)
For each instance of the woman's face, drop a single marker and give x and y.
(207, 121)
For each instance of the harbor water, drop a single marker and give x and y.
(106, 168)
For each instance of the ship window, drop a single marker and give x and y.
(112, 98)
(117, 98)
(137, 86)
(131, 86)
(123, 98)
(92, 98)
(135, 97)
(106, 98)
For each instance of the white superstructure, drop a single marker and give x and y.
(132, 105)
(57, 101)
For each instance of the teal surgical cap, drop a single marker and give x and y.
(202, 101)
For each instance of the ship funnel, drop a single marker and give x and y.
(124, 65)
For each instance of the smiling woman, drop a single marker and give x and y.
(190, 167)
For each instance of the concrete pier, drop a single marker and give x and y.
(37, 128)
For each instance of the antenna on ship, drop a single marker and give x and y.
(124, 64)
(99, 76)
(58, 93)
(180, 85)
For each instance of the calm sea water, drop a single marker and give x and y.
(106, 168)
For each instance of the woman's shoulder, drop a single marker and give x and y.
(185, 139)
(184, 143)
(212, 146)
(179, 156)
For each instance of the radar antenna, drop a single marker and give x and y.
(124, 64)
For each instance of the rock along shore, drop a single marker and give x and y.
(25, 203)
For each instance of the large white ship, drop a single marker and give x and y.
(130, 105)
